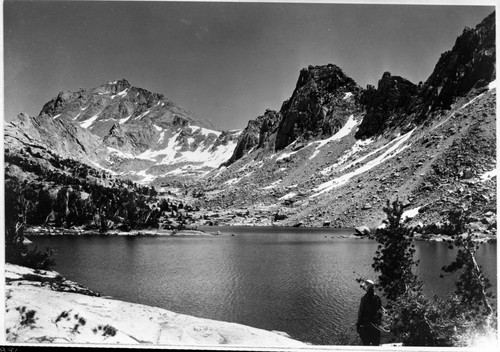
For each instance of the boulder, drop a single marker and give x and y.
(362, 231)
(366, 206)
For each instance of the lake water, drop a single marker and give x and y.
(300, 281)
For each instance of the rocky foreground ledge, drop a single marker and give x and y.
(44, 307)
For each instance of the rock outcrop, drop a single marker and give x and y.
(257, 135)
(385, 104)
(319, 106)
(471, 63)
(321, 103)
(56, 135)
(36, 312)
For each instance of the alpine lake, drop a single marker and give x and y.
(301, 281)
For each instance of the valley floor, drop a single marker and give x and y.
(43, 307)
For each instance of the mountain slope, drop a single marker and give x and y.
(57, 135)
(128, 131)
(431, 145)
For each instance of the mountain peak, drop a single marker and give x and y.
(326, 77)
(117, 102)
(119, 85)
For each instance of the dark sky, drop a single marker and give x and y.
(226, 62)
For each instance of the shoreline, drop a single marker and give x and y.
(35, 231)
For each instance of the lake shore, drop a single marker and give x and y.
(58, 231)
(44, 307)
(215, 231)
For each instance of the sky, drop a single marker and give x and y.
(226, 62)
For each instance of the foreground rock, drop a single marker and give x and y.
(36, 313)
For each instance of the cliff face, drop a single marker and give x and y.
(321, 103)
(259, 134)
(319, 106)
(391, 99)
(57, 135)
(471, 63)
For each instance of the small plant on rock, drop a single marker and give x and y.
(27, 316)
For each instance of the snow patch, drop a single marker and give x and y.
(288, 196)
(233, 181)
(121, 94)
(158, 128)
(103, 168)
(146, 177)
(347, 95)
(357, 147)
(248, 174)
(488, 175)
(344, 131)
(142, 115)
(410, 214)
(286, 155)
(162, 137)
(272, 185)
(204, 131)
(169, 151)
(122, 121)
(88, 122)
(470, 102)
(492, 85)
(55, 117)
(391, 152)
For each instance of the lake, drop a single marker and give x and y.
(296, 280)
